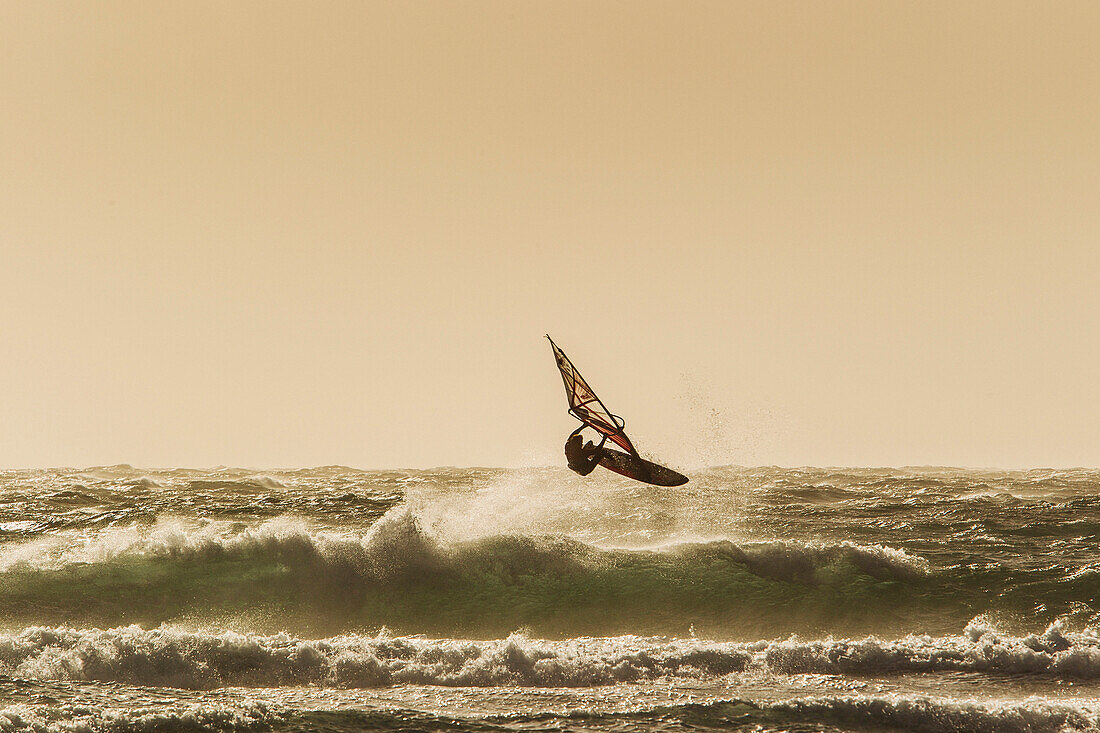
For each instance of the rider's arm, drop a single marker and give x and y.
(597, 451)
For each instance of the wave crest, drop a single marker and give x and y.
(196, 660)
(177, 658)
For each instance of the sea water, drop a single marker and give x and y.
(458, 599)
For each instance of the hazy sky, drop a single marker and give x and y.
(299, 233)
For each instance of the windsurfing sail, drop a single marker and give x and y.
(586, 406)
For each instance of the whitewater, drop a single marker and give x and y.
(482, 599)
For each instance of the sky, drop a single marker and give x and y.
(278, 234)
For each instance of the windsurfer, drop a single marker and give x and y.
(583, 457)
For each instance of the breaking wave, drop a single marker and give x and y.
(299, 577)
(174, 658)
(201, 660)
(290, 574)
(1056, 652)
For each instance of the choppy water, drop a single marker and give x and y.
(332, 599)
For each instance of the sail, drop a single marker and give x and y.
(586, 406)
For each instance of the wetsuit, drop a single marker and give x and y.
(582, 458)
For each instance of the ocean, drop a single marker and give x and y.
(480, 599)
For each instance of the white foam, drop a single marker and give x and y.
(171, 657)
(84, 719)
(979, 648)
(174, 657)
(933, 715)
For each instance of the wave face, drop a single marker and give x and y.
(399, 576)
(828, 599)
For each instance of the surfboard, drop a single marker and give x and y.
(590, 410)
(640, 469)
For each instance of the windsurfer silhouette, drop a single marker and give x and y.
(590, 410)
(583, 457)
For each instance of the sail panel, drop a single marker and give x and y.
(585, 405)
